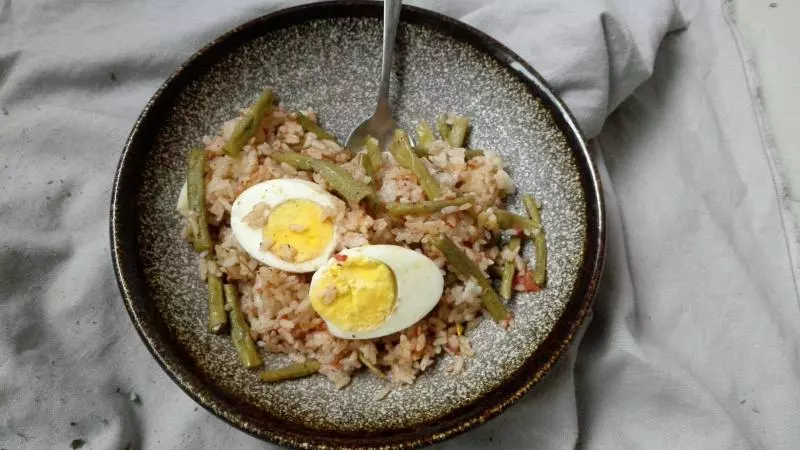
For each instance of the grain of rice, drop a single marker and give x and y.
(291, 139)
(319, 146)
(286, 252)
(297, 228)
(329, 295)
(257, 218)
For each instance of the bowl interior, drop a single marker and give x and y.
(327, 58)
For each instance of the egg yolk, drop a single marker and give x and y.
(356, 294)
(298, 230)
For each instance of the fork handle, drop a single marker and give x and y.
(391, 17)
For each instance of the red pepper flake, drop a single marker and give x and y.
(339, 257)
(519, 231)
(525, 280)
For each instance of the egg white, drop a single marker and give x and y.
(273, 193)
(419, 287)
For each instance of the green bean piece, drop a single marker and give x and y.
(507, 278)
(468, 269)
(217, 317)
(374, 153)
(340, 180)
(311, 127)
(365, 162)
(472, 153)
(443, 127)
(421, 152)
(540, 248)
(397, 209)
(294, 159)
(539, 242)
(248, 124)
(196, 195)
(299, 370)
(533, 210)
(240, 330)
(424, 135)
(468, 153)
(458, 132)
(510, 221)
(405, 156)
(372, 367)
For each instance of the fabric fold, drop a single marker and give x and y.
(694, 341)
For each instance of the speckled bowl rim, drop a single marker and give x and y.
(130, 278)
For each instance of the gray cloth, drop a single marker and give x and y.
(694, 340)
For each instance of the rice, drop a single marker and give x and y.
(276, 303)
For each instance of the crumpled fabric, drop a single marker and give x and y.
(694, 338)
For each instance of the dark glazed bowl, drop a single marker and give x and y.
(326, 56)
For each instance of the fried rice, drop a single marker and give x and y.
(276, 303)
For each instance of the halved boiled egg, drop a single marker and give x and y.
(375, 290)
(287, 224)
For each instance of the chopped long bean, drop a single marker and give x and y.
(458, 131)
(424, 135)
(539, 242)
(217, 317)
(196, 196)
(372, 367)
(467, 268)
(510, 221)
(468, 153)
(339, 179)
(299, 370)
(397, 209)
(405, 156)
(374, 153)
(540, 271)
(311, 127)
(366, 164)
(507, 280)
(421, 152)
(294, 159)
(240, 330)
(533, 210)
(443, 127)
(472, 153)
(248, 124)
